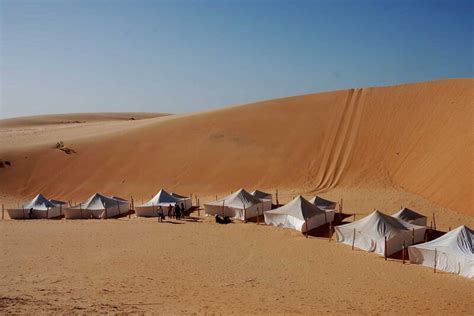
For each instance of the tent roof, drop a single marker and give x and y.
(407, 215)
(98, 202)
(299, 207)
(118, 198)
(260, 194)
(457, 242)
(380, 225)
(238, 199)
(39, 202)
(162, 197)
(323, 203)
(57, 202)
(176, 195)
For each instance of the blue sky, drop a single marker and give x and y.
(180, 56)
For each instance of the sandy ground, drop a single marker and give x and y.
(140, 265)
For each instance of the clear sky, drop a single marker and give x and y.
(179, 56)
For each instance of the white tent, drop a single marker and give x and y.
(38, 207)
(162, 199)
(295, 214)
(412, 217)
(240, 205)
(454, 252)
(187, 201)
(323, 203)
(265, 198)
(97, 206)
(370, 233)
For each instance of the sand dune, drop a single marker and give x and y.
(417, 138)
(72, 118)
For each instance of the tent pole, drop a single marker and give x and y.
(385, 248)
(306, 224)
(340, 207)
(3, 211)
(23, 210)
(80, 207)
(353, 238)
(354, 217)
(403, 252)
(223, 209)
(434, 221)
(435, 258)
(245, 214)
(330, 231)
(412, 236)
(277, 202)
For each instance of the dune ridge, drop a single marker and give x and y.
(413, 137)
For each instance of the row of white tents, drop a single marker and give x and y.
(97, 206)
(377, 232)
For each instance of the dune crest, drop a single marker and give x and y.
(413, 137)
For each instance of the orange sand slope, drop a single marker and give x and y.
(417, 138)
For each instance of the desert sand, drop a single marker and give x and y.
(407, 145)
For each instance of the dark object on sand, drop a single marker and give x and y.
(223, 220)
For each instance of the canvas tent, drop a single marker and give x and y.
(265, 198)
(454, 252)
(412, 217)
(239, 205)
(323, 203)
(162, 199)
(97, 206)
(370, 233)
(187, 201)
(38, 207)
(295, 214)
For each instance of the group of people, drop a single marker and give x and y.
(172, 212)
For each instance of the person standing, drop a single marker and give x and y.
(182, 210)
(178, 211)
(170, 209)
